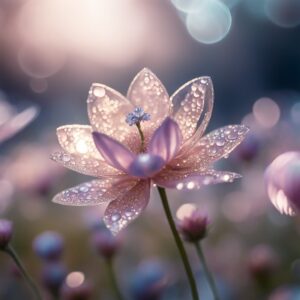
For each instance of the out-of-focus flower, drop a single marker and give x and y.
(53, 276)
(286, 293)
(249, 149)
(32, 160)
(149, 281)
(262, 262)
(12, 122)
(76, 288)
(105, 243)
(6, 230)
(283, 182)
(193, 227)
(49, 245)
(168, 150)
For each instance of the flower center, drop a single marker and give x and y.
(135, 118)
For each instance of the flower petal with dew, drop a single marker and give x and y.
(165, 147)
(193, 104)
(94, 192)
(127, 207)
(148, 92)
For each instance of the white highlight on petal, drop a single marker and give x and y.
(185, 210)
(81, 146)
(75, 279)
(266, 112)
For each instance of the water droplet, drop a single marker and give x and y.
(115, 217)
(99, 91)
(84, 189)
(220, 142)
(66, 158)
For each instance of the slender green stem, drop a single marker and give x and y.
(113, 280)
(11, 252)
(138, 125)
(179, 243)
(208, 274)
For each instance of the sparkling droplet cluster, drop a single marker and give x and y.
(192, 96)
(93, 192)
(107, 110)
(126, 208)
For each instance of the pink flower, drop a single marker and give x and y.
(166, 147)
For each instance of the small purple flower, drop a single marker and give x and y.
(53, 276)
(262, 262)
(137, 116)
(193, 228)
(6, 230)
(105, 243)
(149, 281)
(49, 245)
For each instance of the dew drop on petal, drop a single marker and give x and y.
(99, 92)
(210, 23)
(115, 217)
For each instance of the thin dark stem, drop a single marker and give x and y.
(138, 125)
(113, 280)
(208, 274)
(11, 252)
(179, 243)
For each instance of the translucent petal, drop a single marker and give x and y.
(184, 181)
(17, 123)
(127, 207)
(193, 103)
(84, 164)
(166, 140)
(146, 91)
(94, 192)
(107, 110)
(77, 139)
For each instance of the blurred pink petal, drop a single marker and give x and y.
(193, 104)
(17, 123)
(146, 165)
(94, 192)
(148, 92)
(85, 165)
(107, 110)
(195, 180)
(115, 154)
(166, 140)
(77, 139)
(127, 207)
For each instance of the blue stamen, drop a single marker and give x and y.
(137, 116)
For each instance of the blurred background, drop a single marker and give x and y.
(51, 51)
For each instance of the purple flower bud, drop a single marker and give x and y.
(193, 227)
(49, 245)
(149, 281)
(105, 243)
(53, 276)
(262, 262)
(6, 229)
(248, 149)
(283, 182)
(80, 292)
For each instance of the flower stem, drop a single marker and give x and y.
(179, 243)
(11, 252)
(138, 125)
(113, 280)
(208, 274)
